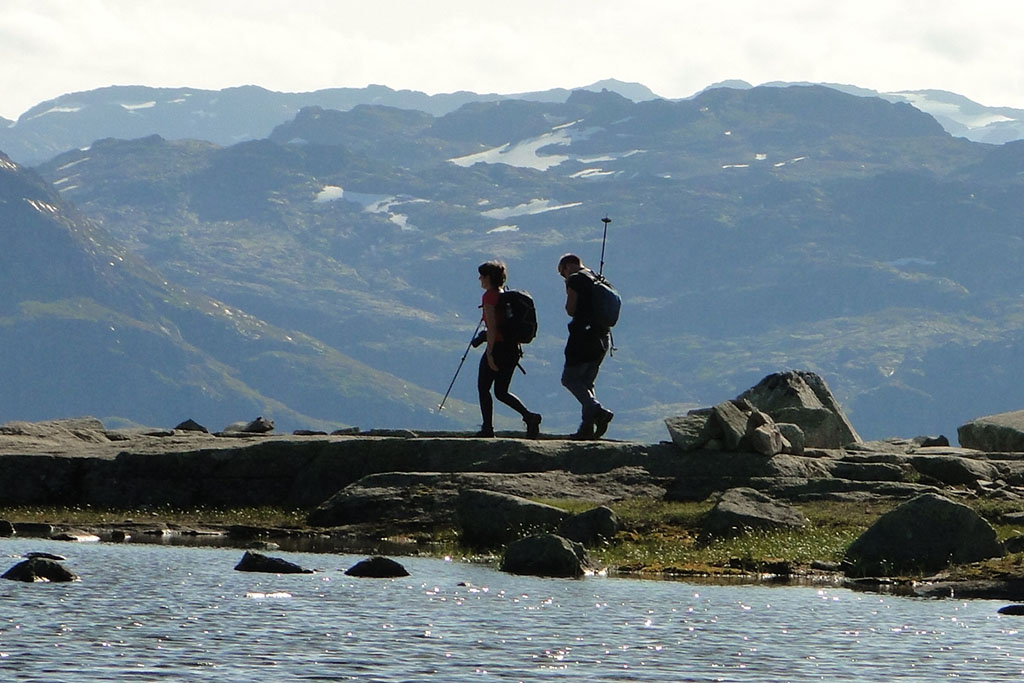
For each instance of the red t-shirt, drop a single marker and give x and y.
(492, 298)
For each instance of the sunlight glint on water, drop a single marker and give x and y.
(151, 612)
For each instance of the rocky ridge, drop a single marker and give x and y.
(361, 486)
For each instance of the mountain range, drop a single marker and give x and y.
(233, 115)
(314, 261)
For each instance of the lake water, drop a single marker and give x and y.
(152, 612)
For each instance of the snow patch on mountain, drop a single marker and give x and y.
(591, 173)
(523, 154)
(55, 110)
(532, 207)
(526, 153)
(373, 203)
(329, 193)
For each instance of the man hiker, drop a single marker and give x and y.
(585, 349)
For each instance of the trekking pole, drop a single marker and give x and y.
(600, 274)
(471, 340)
(604, 237)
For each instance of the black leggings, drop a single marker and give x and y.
(506, 356)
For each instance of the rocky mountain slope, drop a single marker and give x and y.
(88, 326)
(753, 230)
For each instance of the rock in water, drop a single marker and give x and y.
(255, 562)
(377, 568)
(40, 569)
(1013, 610)
(546, 555)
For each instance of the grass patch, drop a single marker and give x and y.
(657, 536)
(86, 515)
(663, 536)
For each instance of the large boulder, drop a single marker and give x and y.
(927, 533)
(39, 569)
(489, 519)
(1002, 433)
(743, 509)
(591, 527)
(803, 399)
(546, 555)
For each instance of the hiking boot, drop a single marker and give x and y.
(584, 433)
(532, 421)
(601, 422)
(485, 433)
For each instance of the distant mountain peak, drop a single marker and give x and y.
(734, 83)
(632, 91)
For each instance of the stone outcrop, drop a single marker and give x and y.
(732, 426)
(784, 413)
(417, 479)
(489, 519)
(741, 510)
(546, 555)
(995, 433)
(377, 567)
(40, 569)
(360, 488)
(591, 527)
(419, 499)
(954, 470)
(76, 429)
(928, 533)
(191, 425)
(258, 562)
(261, 425)
(804, 399)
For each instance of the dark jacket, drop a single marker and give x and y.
(587, 343)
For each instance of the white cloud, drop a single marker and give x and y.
(50, 47)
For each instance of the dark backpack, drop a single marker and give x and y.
(519, 317)
(605, 302)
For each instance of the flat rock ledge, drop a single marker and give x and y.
(57, 464)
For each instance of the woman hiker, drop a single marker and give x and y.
(500, 358)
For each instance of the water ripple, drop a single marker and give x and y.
(169, 613)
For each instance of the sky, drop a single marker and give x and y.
(674, 47)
